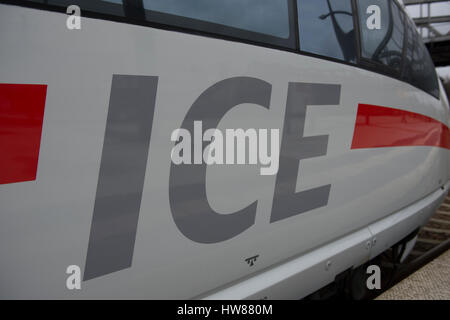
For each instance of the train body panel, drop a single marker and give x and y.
(89, 133)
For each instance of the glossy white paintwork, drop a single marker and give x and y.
(45, 224)
(304, 274)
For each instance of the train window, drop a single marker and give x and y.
(418, 68)
(259, 20)
(384, 44)
(326, 28)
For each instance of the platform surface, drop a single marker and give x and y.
(431, 282)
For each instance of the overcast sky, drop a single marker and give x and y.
(436, 9)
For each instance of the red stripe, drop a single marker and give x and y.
(378, 127)
(21, 117)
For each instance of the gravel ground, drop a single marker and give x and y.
(431, 282)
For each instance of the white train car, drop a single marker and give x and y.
(238, 149)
